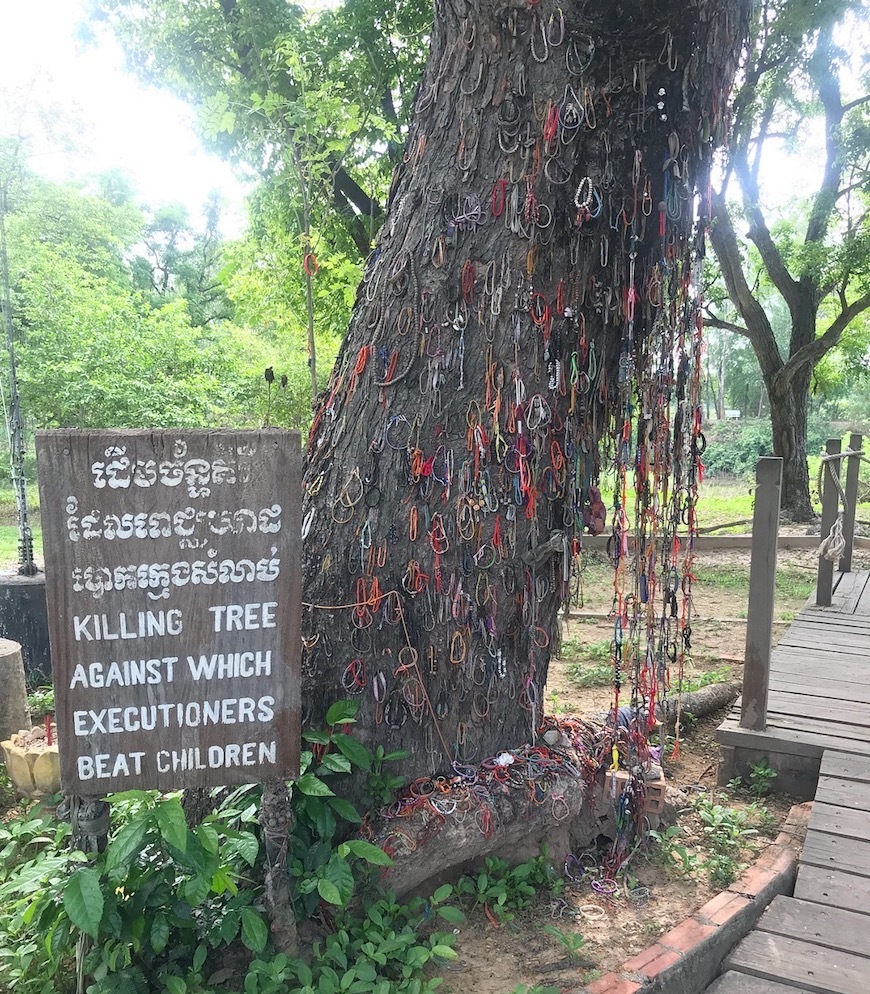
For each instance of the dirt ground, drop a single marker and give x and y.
(656, 891)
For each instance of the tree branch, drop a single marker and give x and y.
(809, 355)
(758, 328)
(714, 321)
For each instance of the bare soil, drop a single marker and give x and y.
(657, 890)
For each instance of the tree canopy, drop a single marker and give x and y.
(803, 66)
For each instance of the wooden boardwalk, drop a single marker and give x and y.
(819, 695)
(818, 941)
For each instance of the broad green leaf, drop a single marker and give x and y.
(196, 889)
(222, 881)
(175, 985)
(443, 892)
(342, 712)
(336, 763)
(314, 786)
(355, 751)
(83, 901)
(328, 891)
(344, 809)
(172, 824)
(451, 914)
(370, 853)
(338, 872)
(208, 837)
(319, 738)
(444, 952)
(159, 933)
(126, 845)
(199, 957)
(254, 930)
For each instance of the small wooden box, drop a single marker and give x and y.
(654, 802)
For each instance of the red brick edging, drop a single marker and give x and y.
(686, 959)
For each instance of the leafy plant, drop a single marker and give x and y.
(761, 778)
(40, 702)
(673, 852)
(502, 889)
(571, 942)
(164, 898)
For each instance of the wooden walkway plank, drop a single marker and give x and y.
(849, 591)
(835, 928)
(830, 819)
(863, 607)
(831, 852)
(742, 983)
(778, 738)
(847, 645)
(814, 968)
(834, 889)
(826, 732)
(826, 708)
(808, 684)
(845, 794)
(845, 766)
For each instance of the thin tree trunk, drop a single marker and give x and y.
(531, 272)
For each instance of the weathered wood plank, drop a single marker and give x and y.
(862, 608)
(824, 729)
(845, 643)
(806, 683)
(848, 590)
(810, 615)
(787, 740)
(847, 602)
(834, 819)
(742, 983)
(845, 794)
(845, 766)
(831, 852)
(808, 966)
(852, 713)
(842, 656)
(833, 888)
(835, 928)
(814, 614)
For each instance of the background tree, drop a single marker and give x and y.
(818, 267)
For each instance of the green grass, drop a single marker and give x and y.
(9, 544)
(791, 582)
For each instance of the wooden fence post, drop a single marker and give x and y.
(762, 590)
(830, 506)
(854, 465)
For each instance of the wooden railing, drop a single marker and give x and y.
(762, 570)
(830, 510)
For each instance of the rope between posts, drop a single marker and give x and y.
(833, 545)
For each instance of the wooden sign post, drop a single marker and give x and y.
(174, 599)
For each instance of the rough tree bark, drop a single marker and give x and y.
(525, 321)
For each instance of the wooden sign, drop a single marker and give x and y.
(174, 596)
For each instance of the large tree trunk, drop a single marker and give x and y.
(529, 296)
(788, 417)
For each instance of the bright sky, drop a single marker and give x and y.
(145, 132)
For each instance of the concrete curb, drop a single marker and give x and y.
(687, 958)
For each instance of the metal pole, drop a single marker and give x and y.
(854, 465)
(762, 591)
(830, 505)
